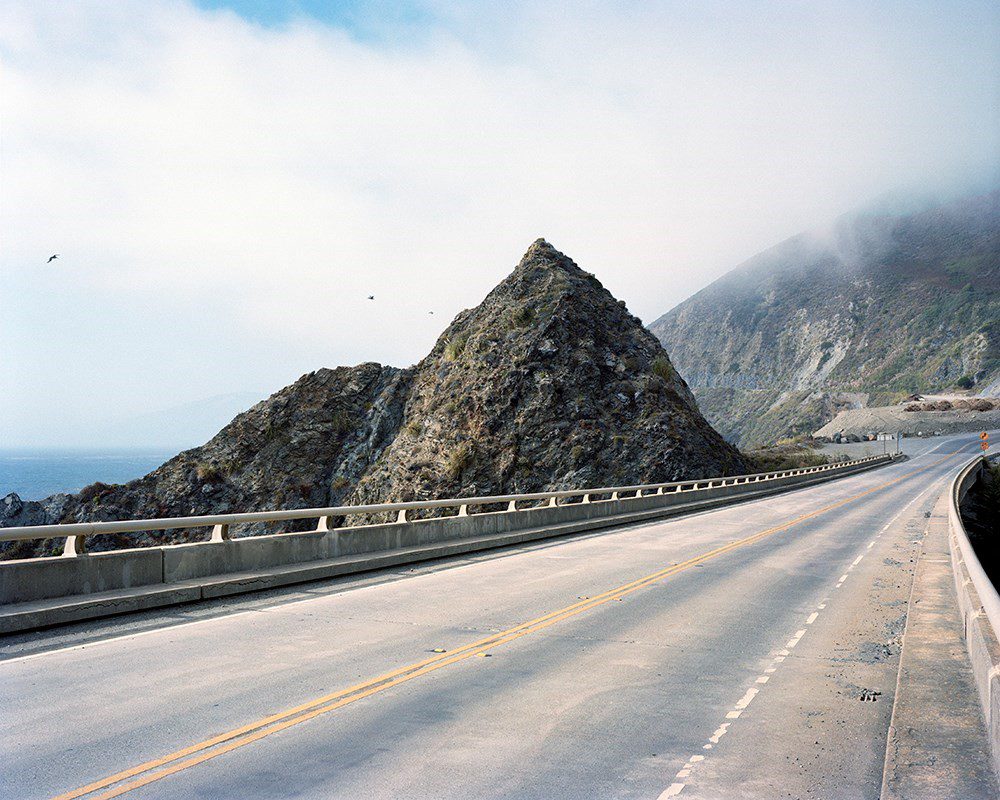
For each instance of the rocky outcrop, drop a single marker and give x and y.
(15, 512)
(883, 307)
(549, 383)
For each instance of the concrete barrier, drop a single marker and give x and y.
(31, 589)
(42, 578)
(979, 604)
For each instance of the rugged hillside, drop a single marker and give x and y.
(550, 382)
(882, 307)
(306, 445)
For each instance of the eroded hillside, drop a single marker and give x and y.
(882, 307)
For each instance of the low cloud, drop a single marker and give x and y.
(224, 195)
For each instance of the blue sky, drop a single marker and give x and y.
(226, 183)
(364, 20)
(275, 12)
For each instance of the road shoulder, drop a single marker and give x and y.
(937, 745)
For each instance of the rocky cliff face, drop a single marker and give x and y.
(883, 307)
(549, 383)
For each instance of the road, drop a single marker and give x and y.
(749, 651)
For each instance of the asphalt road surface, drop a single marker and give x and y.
(750, 651)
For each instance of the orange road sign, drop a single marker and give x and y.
(985, 445)
(984, 435)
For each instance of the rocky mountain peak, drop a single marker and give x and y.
(538, 258)
(549, 382)
(541, 248)
(543, 273)
(542, 298)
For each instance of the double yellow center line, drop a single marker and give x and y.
(144, 774)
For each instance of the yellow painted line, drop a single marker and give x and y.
(254, 731)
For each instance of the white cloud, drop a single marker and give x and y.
(224, 196)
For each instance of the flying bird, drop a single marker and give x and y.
(371, 297)
(52, 258)
(431, 313)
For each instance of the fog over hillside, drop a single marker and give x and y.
(878, 307)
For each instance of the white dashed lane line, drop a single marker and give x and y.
(738, 708)
(714, 738)
(684, 773)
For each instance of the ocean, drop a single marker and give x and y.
(35, 474)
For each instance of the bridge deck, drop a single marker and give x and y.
(749, 651)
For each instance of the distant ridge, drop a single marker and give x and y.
(882, 307)
(179, 426)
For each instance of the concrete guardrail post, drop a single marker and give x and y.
(75, 546)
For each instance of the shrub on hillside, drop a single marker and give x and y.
(413, 428)
(523, 316)
(787, 456)
(455, 347)
(663, 368)
(94, 492)
(209, 473)
(458, 459)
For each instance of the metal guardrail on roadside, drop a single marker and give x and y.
(76, 533)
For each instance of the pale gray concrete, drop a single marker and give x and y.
(937, 749)
(979, 608)
(612, 702)
(26, 580)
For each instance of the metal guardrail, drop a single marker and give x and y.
(76, 533)
(988, 596)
